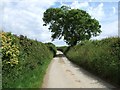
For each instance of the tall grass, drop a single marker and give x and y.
(102, 57)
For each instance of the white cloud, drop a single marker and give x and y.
(105, 0)
(1, 15)
(77, 4)
(114, 10)
(97, 12)
(90, 0)
(25, 17)
(59, 42)
(108, 30)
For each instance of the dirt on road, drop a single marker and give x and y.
(61, 73)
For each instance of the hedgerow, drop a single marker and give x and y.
(62, 48)
(24, 61)
(52, 48)
(102, 57)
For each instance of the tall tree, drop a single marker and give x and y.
(74, 25)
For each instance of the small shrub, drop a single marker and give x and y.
(52, 48)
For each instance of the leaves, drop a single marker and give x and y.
(74, 25)
(21, 59)
(99, 56)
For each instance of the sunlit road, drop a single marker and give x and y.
(62, 73)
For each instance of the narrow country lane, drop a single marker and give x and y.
(61, 73)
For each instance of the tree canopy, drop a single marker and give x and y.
(74, 25)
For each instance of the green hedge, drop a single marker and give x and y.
(101, 57)
(27, 68)
(62, 48)
(52, 48)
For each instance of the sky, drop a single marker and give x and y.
(25, 17)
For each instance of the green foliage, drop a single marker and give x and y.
(101, 57)
(62, 48)
(74, 25)
(52, 48)
(32, 62)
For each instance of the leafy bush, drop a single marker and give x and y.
(31, 59)
(62, 48)
(101, 57)
(52, 48)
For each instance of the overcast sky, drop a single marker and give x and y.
(25, 16)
